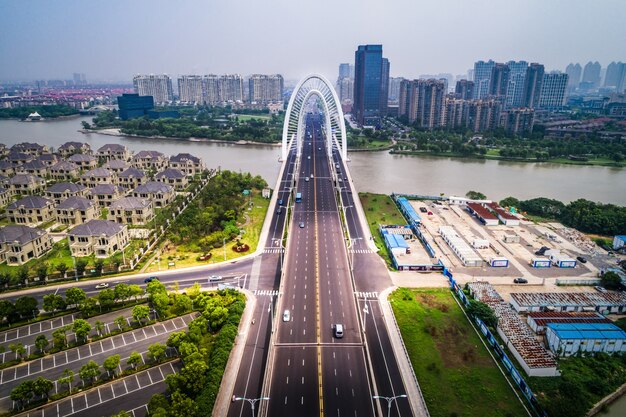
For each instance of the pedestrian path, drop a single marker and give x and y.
(361, 251)
(273, 250)
(360, 294)
(272, 293)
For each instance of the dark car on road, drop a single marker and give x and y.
(520, 281)
(150, 279)
(581, 259)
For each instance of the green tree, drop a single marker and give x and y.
(611, 280)
(193, 376)
(135, 291)
(42, 271)
(42, 387)
(120, 321)
(106, 298)
(62, 268)
(27, 306)
(182, 405)
(22, 394)
(22, 275)
(90, 306)
(134, 359)
(509, 202)
(176, 338)
(59, 337)
(218, 317)
(158, 401)
(81, 328)
(141, 312)
(67, 378)
(121, 414)
(483, 312)
(75, 296)
(98, 265)
(42, 342)
(156, 351)
(99, 326)
(155, 287)
(182, 303)
(111, 363)
(475, 195)
(161, 303)
(53, 302)
(18, 349)
(122, 291)
(81, 265)
(89, 372)
(7, 310)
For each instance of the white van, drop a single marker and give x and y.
(338, 330)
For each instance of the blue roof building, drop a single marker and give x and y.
(408, 211)
(566, 339)
(619, 241)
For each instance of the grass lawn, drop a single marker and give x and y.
(380, 209)
(456, 373)
(246, 117)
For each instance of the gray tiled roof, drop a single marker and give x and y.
(34, 164)
(27, 145)
(96, 228)
(134, 172)
(30, 202)
(116, 164)
(64, 165)
(62, 187)
(48, 157)
(4, 164)
(130, 203)
(18, 156)
(70, 145)
(152, 187)
(25, 179)
(147, 154)
(76, 203)
(97, 172)
(106, 189)
(170, 173)
(112, 147)
(79, 157)
(184, 157)
(3, 190)
(21, 234)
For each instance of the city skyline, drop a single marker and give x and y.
(206, 38)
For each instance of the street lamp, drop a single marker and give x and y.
(389, 401)
(251, 401)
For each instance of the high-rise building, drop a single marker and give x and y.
(483, 115)
(231, 88)
(190, 89)
(211, 89)
(532, 85)
(515, 89)
(553, 89)
(394, 89)
(266, 88)
(345, 71)
(456, 112)
(371, 83)
(615, 76)
(482, 76)
(133, 105)
(464, 89)
(517, 121)
(422, 101)
(591, 74)
(157, 86)
(79, 78)
(499, 80)
(346, 90)
(574, 72)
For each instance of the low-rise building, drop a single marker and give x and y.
(4, 151)
(100, 237)
(160, 193)
(105, 194)
(19, 158)
(566, 339)
(26, 184)
(8, 168)
(20, 244)
(64, 190)
(187, 163)
(131, 178)
(113, 151)
(64, 171)
(116, 165)
(5, 196)
(76, 210)
(131, 210)
(148, 160)
(48, 158)
(84, 161)
(70, 148)
(97, 176)
(33, 167)
(173, 177)
(33, 149)
(30, 210)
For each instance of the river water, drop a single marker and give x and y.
(378, 172)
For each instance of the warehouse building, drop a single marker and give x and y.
(609, 303)
(566, 339)
(408, 211)
(484, 215)
(504, 216)
(537, 321)
(461, 249)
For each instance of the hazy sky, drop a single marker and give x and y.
(114, 39)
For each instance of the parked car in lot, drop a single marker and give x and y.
(102, 285)
(520, 281)
(582, 259)
(600, 289)
(423, 209)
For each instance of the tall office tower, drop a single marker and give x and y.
(515, 89)
(371, 78)
(394, 89)
(211, 89)
(499, 80)
(553, 89)
(346, 89)
(266, 88)
(591, 74)
(422, 101)
(482, 76)
(79, 78)
(483, 115)
(615, 73)
(517, 121)
(190, 89)
(532, 85)
(573, 71)
(230, 88)
(464, 89)
(344, 71)
(157, 86)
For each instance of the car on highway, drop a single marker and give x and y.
(319, 149)
(280, 202)
(306, 179)
(279, 211)
(582, 259)
(286, 315)
(520, 281)
(301, 225)
(308, 157)
(150, 279)
(102, 285)
(214, 278)
(338, 330)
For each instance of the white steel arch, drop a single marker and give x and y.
(293, 127)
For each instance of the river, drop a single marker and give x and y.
(378, 172)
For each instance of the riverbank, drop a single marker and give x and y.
(562, 161)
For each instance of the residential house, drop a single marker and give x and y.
(5, 196)
(34, 167)
(33, 149)
(48, 158)
(131, 210)
(64, 190)
(19, 158)
(83, 161)
(131, 178)
(113, 151)
(4, 151)
(76, 210)
(149, 160)
(187, 163)
(8, 168)
(105, 194)
(116, 166)
(160, 193)
(100, 237)
(64, 171)
(20, 244)
(97, 176)
(71, 148)
(30, 210)
(26, 184)
(173, 177)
